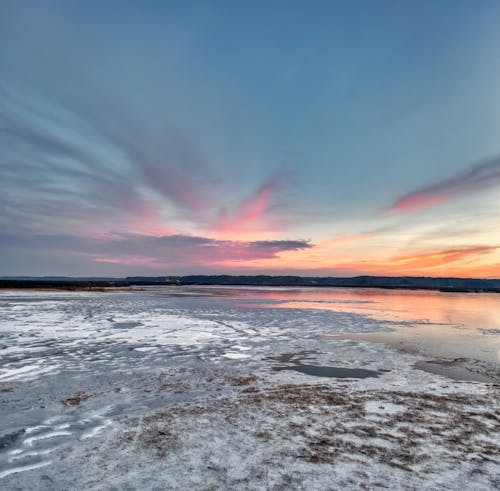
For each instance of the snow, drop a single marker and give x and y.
(383, 407)
(156, 389)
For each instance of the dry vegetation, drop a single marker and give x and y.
(77, 399)
(416, 434)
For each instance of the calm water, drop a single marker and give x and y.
(437, 323)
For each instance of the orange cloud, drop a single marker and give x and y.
(438, 258)
(319, 260)
(464, 262)
(317, 256)
(343, 239)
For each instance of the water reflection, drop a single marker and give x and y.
(472, 310)
(437, 323)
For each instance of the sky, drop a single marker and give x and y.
(335, 138)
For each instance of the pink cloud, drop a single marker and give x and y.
(480, 176)
(253, 214)
(172, 250)
(417, 201)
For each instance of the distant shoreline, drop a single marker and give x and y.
(458, 285)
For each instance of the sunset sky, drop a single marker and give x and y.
(275, 137)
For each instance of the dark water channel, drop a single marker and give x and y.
(331, 372)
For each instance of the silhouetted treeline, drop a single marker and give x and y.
(407, 282)
(403, 282)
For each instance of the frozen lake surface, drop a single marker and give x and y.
(249, 388)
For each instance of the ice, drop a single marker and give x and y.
(235, 356)
(193, 388)
(383, 407)
(23, 468)
(30, 441)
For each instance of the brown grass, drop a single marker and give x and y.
(76, 399)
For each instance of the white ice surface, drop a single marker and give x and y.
(189, 348)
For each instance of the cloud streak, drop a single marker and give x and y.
(172, 251)
(439, 258)
(63, 168)
(253, 214)
(480, 176)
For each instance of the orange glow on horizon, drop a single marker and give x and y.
(343, 239)
(320, 260)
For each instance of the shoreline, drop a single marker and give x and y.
(80, 285)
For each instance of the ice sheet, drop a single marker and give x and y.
(182, 385)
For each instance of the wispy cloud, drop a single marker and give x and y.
(150, 251)
(171, 169)
(478, 261)
(63, 169)
(253, 213)
(480, 176)
(441, 257)
(188, 250)
(345, 239)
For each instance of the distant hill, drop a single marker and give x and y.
(406, 282)
(391, 282)
(59, 278)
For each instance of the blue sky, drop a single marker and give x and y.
(266, 137)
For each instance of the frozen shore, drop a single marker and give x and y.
(145, 390)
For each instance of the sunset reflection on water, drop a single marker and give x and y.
(438, 323)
